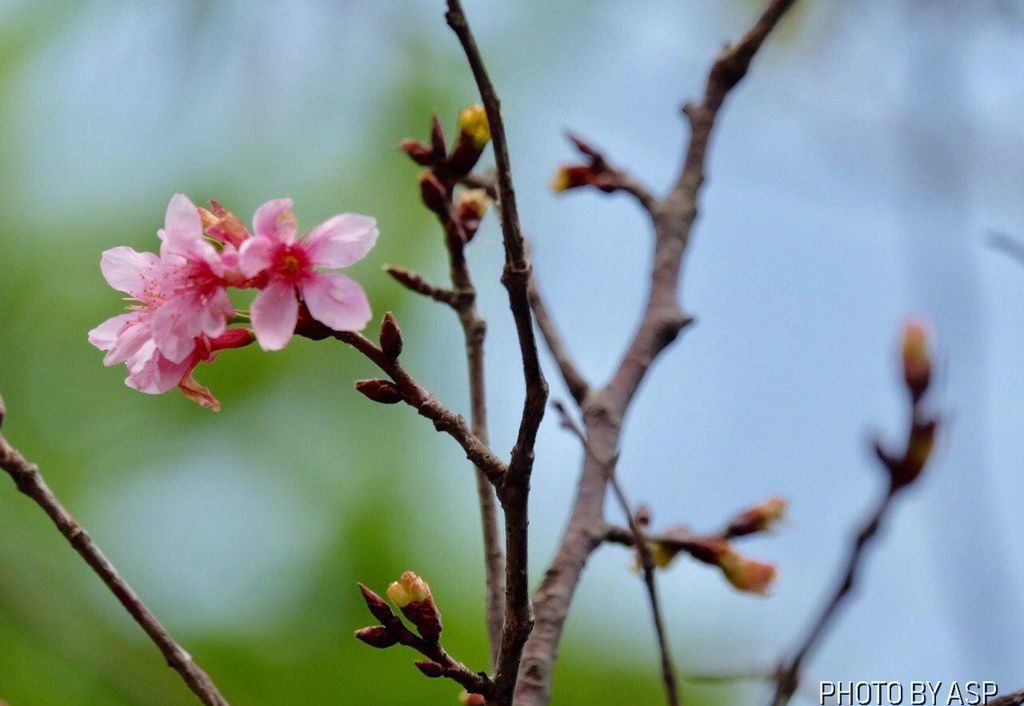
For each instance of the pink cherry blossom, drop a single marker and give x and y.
(290, 268)
(195, 276)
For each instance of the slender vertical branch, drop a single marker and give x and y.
(514, 491)
(604, 409)
(29, 481)
(474, 330)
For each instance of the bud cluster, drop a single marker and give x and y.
(743, 573)
(460, 210)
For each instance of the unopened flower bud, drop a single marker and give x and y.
(468, 699)
(378, 607)
(473, 123)
(411, 595)
(758, 518)
(418, 152)
(223, 225)
(383, 391)
(376, 636)
(474, 134)
(471, 206)
(571, 177)
(390, 336)
(433, 193)
(430, 669)
(917, 363)
(746, 574)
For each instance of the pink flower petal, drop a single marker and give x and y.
(274, 220)
(129, 341)
(105, 335)
(337, 301)
(342, 240)
(151, 373)
(182, 227)
(275, 312)
(129, 271)
(176, 325)
(255, 255)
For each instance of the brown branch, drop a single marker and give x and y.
(514, 491)
(604, 409)
(637, 535)
(415, 395)
(29, 481)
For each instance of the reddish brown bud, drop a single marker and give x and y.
(390, 336)
(418, 152)
(474, 134)
(376, 636)
(383, 391)
(643, 515)
(917, 364)
(437, 141)
(468, 699)
(571, 177)
(758, 518)
(905, 471)
(412, 596)
(430, 669)
(378, 607)
(471, 206)
(433, 193)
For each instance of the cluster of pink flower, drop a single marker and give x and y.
(179, 308)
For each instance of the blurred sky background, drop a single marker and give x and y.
(853, 180)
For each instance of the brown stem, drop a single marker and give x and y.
(514, 490)
(474, 330)
(604, 409)
(788, 678)
(29, 481)
(417, 396)
(637, 535)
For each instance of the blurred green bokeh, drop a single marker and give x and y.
(303, 485)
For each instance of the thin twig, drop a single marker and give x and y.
(661, 323)
(417, 283)
(1008, 245)
(29, 481)
(514, 491)
(417, 396)
(573, 378)
(788, 679)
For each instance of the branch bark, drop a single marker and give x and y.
(27, 478)
(662, 320)
(514, 491)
